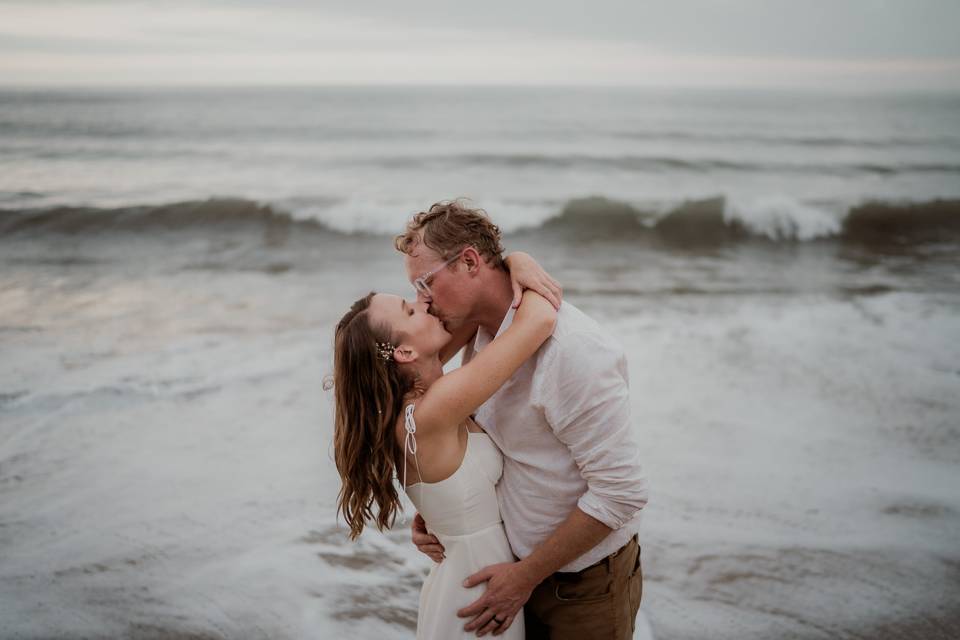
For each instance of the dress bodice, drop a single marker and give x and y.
(466, 501)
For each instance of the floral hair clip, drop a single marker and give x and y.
(385, 351)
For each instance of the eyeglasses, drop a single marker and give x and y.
(421, 284)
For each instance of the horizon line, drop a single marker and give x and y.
(828, 89)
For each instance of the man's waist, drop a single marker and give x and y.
(524, 542)
(603, 564)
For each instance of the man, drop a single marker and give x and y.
(572, 487)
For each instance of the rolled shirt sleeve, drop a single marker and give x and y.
(586, 401)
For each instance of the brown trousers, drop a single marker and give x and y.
(598, 602)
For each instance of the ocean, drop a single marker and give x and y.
(780, 267)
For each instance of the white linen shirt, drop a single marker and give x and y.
(563, 424)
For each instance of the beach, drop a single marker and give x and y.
(783, 281)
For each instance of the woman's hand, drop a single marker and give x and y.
(426, 543)
(526, 273)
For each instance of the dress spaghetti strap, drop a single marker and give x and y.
(410, 446)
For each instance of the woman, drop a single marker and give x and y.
(397, 414)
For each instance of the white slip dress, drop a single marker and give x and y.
(463, 513)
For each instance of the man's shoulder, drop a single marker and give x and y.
(581, 352)
(573, 324)
(576, 331)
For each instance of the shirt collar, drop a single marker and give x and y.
(483, 336)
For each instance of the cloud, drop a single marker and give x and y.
(725, 42)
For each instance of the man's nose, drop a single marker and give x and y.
(423, 298)
(422, 305)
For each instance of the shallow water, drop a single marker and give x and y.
(166, 468)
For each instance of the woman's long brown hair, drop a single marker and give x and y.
(369, 394)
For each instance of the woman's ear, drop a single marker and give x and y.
(404, 354)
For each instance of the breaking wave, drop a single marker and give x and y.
(713, 220)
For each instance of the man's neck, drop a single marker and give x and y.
(495, 302)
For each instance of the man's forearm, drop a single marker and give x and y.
(574, 537)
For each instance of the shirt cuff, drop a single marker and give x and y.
(592, 505)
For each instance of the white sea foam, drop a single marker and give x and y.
(779, 217)
(795, 461)
(776, 217)
(387, 216)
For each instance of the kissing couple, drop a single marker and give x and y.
(520, 462)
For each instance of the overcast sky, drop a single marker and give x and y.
(868, 44)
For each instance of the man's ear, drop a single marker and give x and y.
(472, 259)
(404, 354)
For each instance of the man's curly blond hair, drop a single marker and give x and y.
(449, 226)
